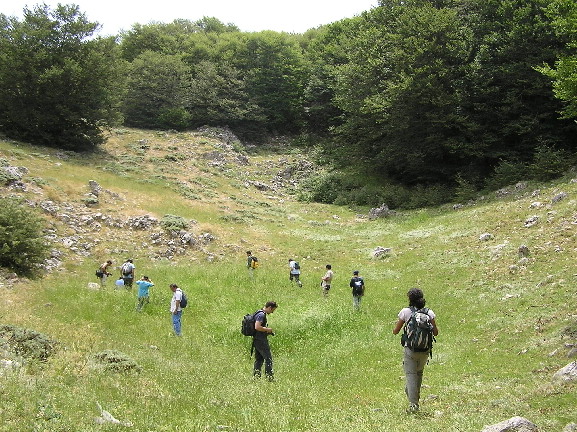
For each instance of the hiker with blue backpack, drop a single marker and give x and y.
(419, 331)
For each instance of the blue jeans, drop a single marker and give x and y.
(176, 322)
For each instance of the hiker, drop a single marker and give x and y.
(358, 285)
(251, 262)
(103, 273)
(414, 361)
(127, 273)
(326, 280)
(295, 272)
(175, 309)
(143, 296)
(260, 342)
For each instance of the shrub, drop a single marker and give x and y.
(115, 361)
(22, 245)
(507, 173)
(28, 343)
(173, 223)
(549, 163)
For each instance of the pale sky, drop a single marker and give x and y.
(293, 16)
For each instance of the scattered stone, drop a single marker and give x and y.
(515, 424)
(535, 205)
(531, 221)
(571, 427)
(523, 251)
(380, 212)
(559, 197)
(567, 373)
(380, 251)
(106, 417)
(485, 237)
(93, 286)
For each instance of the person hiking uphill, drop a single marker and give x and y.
(414, 361)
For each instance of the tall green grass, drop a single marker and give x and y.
(502, 328)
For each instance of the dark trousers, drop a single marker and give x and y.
(262, 355)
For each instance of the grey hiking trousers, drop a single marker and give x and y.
(414, 365)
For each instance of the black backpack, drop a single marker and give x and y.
(358, 286)
(297, 266)
(248, 323)
(418, 331)
(183, 300)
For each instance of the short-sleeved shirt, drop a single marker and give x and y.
(143, 286)
(405, 314)
(177, 296)
(358, 285)
(260, 316)
(328, 278)
(294, 270)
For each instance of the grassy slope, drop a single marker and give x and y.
(501, 329)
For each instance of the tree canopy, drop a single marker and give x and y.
(417, 93)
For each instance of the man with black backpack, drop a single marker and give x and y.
(419, 333)
(260, 341)
(358, 289)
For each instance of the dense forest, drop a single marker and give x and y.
(414, 102)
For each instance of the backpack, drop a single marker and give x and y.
(254, 262)
(183, 300)
(99, 273)
(297, 266)
(418, 331)
(126, 269)
(359, 286)
(248, 323)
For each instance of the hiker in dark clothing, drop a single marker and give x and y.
(260, 341)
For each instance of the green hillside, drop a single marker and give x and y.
(507, 323)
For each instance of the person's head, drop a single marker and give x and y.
(145, 278)
(173, 287)
(328, 266)
(109, 262)
(416, 298)
(356, 273)
(249, 253)
(270, 307)
(129, 260)
(290, 259)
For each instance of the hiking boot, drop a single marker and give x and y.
(413, 409)
(270, 378)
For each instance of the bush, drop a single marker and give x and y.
(549, 163)
(173, 223)
(28, 343)
(22, 245)
(507, 173)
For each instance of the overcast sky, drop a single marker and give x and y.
(295, 16)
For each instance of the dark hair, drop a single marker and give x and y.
(248, 252)
(173, 286)
(416, 298)
(271, 304)
(329, 266)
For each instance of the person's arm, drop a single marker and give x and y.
(259, 327)
(398, 326)
(435, 329)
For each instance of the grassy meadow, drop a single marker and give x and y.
(503, 324)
